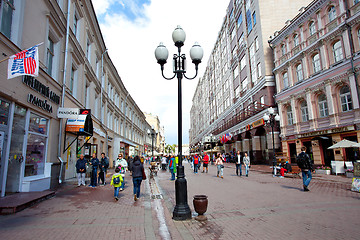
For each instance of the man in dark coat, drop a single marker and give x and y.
(104, 164)
(81, 170)
(95, 165)
(304, 162)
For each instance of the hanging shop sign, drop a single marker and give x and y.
(68, 112)
(82, 125)
(258, 123)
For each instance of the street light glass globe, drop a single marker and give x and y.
(148, 131)
(161, 53)
(178, 36)
(277, 117)
(271, 110)
(266, 117)
(196, 53)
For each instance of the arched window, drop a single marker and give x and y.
(316, 63)
(299, 72)
(332, 13)
(285, 80)
(323, 107)
(290, 119)
(345, 98)
(312, 28)
(337, 51)
(283, 49)
(296, 40)
(304, 111)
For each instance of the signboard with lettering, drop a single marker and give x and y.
(76, 125)
(68, 112)
(327, 131)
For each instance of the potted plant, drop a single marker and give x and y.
(323, 170)
(349, 173)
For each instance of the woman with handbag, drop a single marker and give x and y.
(137, 169)
(246, 161)
(220, 165)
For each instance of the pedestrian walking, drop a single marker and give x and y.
(246, 161)
(122, 164)
(103, 166)
(205, 163)
(196, 163)
(172, 167)
(95, 164)
(81, 170)
(220, 166)
(137, 175)
(238, 163)
(116, 181)
(305, 164)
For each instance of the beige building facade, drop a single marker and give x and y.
(76, 68)
(316, 69)
(159, 137)
(237, 87)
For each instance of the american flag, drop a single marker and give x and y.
(24, 63)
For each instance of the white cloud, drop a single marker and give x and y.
(132, 43)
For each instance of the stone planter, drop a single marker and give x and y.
(200, 205)
(323, 171)
(349, 174)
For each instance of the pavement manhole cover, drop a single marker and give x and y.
(158, 196)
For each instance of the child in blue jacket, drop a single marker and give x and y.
(116, 181)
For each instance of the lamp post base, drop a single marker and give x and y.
(182, 210)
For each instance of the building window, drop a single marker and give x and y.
(72, 81)
(296, 40)
(332, 13)
(50, 56)
(285, 80)
(312, 28)
(254, 18)
(236, 72)
(87, 96)
(76, 22)
(323, 107)
(96, 106)
(345, 98)
(36, 146)
(242, 63)
(337, 51)
(316, 63)
(233, 33)
(248, 21)
(88, 49)
(259, 70)
(241, 40)
(256, 44)
(283, 49)
(289, 115)
(262, 101)
(239, 21)
(244, 84)
(299, 73)
(7, 11)
(304, 111)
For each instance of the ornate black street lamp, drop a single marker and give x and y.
(181, 210)
(271, 120)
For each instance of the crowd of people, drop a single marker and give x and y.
(98, 170)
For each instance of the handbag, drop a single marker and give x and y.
(222, 166)
(143, 174)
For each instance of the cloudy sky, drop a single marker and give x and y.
(132, 29)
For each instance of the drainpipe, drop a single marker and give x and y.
(347, 10)
(101, 102)
(63, 85)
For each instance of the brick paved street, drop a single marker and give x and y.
(257, 207)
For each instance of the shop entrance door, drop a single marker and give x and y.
(4, 129)
(292, 152)
(16, 153)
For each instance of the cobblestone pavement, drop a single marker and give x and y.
(255, 207)
(264, 207)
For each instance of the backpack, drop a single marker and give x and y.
(196, 160)
(302, 161)
(116, 180)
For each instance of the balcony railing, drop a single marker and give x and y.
(239, 117)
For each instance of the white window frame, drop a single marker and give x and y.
(316, 63)
(337, 51)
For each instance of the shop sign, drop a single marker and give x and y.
(327, 131)
(76, 125)
(258, 123)
(41, 88)
(43, 104)
(68, 112)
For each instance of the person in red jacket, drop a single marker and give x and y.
(205, 162)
